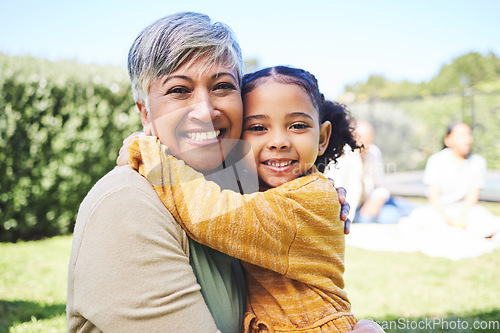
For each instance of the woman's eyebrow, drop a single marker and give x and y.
(184, 77)
(171, 77)
(223, 74)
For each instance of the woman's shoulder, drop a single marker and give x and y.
(120, 180)
(124, 192)
(477, 158)
(440, 157)
(478, 161)
(443, 153)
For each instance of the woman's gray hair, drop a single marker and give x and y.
(166, 44)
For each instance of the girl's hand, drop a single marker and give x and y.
(344, 207)
(122, 158)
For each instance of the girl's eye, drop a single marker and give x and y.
(299, 126)
(178, 90)
(256, 128)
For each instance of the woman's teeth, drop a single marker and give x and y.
(203, 136)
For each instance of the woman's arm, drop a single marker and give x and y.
(434, 197)
(472, 198)
(129, 269)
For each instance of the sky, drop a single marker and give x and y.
(340, 42)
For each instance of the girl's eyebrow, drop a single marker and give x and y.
(291, 115)
(256, 117)
(299, 114)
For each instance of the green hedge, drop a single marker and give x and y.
(61, 126)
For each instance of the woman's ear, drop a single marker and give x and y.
(146, 122)
(448, 141)
(325, 131)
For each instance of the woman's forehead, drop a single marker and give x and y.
(205, 67)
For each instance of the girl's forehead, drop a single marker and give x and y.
(276, 86)
(275, 91)
(277, 99)
(279, 92)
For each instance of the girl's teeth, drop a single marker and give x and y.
(280, 164)
(203, 136)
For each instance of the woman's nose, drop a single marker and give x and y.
(203, 109)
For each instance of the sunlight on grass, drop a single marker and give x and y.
(493, 207)
(33, 277)
(382, 286)
(411, 286)
(53, 325)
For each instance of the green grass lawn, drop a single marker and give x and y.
(33, 279)
(408, 289)
(411, 290)
(405, 290)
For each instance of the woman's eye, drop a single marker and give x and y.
(225, 86)
(178, 90)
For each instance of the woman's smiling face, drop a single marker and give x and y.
(196, 112)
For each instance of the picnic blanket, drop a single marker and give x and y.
(443, 242)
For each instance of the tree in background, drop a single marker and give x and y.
(409, 118)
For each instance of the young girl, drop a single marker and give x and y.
(288, 236)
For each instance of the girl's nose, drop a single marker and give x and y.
(279, 141)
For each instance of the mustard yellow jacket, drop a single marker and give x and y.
(290, 240)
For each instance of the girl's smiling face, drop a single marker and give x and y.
(282, 126)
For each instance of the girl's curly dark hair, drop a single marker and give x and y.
(342, 133)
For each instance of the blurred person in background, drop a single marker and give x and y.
(362, 174)
(454, 177)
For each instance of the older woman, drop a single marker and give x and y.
(132, 267)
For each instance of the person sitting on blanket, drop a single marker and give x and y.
(454, 177)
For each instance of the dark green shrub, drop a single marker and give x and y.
(61, 126)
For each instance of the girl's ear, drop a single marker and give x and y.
(146, 123)
(325, 131)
